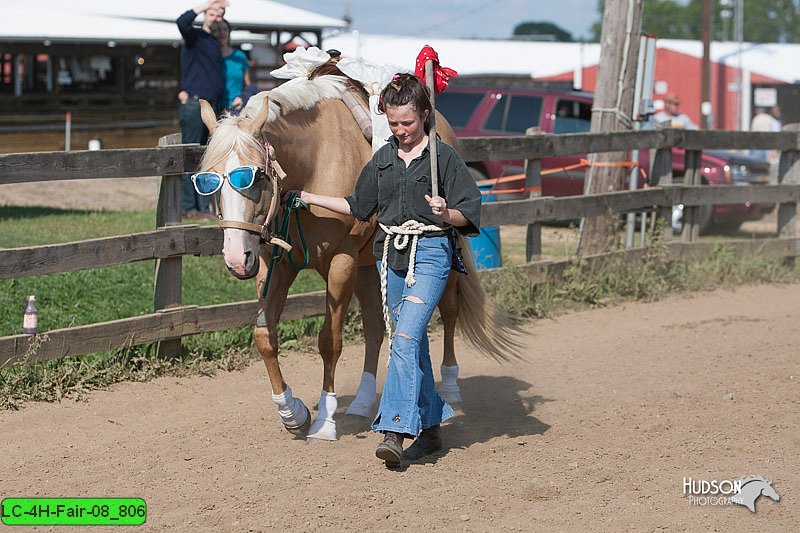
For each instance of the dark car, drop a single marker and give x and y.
(486, 111)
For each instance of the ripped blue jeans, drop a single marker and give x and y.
(409, 402)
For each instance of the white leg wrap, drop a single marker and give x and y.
(292, 410)
(324, 427)
(448, 388)
(366, 396)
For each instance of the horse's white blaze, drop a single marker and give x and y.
(232, 205)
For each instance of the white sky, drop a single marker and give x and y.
(455, 18)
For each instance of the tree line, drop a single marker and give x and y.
(764, 21)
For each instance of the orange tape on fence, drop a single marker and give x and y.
(583, 164)
(506, 179)
(511, 191)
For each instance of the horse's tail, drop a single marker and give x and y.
(487, 327)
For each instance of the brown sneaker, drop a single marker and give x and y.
(391, 449)
(429, 441)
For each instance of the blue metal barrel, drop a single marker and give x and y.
(486, 246)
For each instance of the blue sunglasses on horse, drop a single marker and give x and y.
(240, 178)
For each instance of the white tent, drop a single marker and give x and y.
(144, 20)
(543, 59)
(471, 56)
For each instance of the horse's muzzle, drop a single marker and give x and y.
(249, 269)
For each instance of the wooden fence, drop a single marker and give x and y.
(170, 241)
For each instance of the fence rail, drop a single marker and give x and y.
(170, 241)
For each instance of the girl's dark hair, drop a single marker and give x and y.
(406, 89)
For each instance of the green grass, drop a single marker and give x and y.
(102, 294)
(32, 226)
(655, 277)
(90, 296)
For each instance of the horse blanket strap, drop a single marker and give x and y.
(358, 107)
(410, 230)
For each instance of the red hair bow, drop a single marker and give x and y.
(441, 75)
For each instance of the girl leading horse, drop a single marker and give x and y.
(319, 145)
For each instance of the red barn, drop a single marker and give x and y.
(679, 72)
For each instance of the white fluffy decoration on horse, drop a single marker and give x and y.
(300, 62)
(372, 76)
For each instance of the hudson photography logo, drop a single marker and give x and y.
(743, 491)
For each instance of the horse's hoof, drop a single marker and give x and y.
(302, 429)
(451, 394)
(360, 408)
(322, 430)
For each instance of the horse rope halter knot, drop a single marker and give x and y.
(275, 173)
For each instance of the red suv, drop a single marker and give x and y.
(487, 111)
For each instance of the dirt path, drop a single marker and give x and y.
(118, 194)
(595, 432)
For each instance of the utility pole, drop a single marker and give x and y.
(612, 110)
(705, 84)
(347, 17)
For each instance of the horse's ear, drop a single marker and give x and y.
(253, 127)
(208, 116)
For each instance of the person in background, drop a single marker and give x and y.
(235, 68)
(671, 117)
(768, 120)
(249, 90)
(395, 185)
(201, 77)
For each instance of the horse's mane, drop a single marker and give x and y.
(299, 93)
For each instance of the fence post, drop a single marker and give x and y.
(692, 176)
(533, 238)
(661, 175)
(168, 275)
(789, 173)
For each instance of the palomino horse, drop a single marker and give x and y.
(321, 147)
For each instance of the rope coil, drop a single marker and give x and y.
(410, 230)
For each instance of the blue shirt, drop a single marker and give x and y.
(201, 61)
(235, 65)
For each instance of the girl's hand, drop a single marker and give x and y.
(438, 206)
(303, 195)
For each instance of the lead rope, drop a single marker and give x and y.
(291, 203)
(400, 236)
